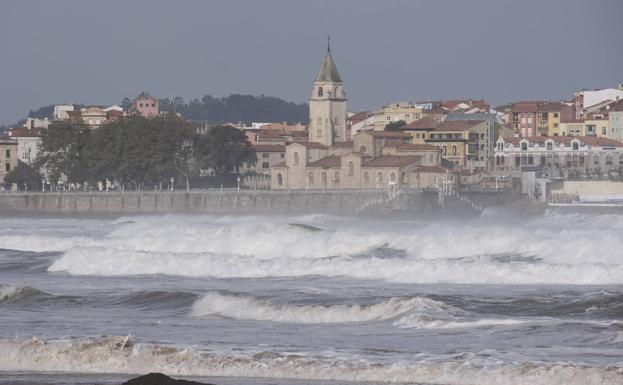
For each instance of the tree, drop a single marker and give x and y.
(24, 175)
(126, 104)
(224, 149)
(395, 126)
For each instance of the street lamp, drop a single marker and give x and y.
(42, 184)
(172, 182)
(238, 180)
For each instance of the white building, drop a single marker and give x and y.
(28, 144)
(61, 111)
(559, 156)
(585, 99)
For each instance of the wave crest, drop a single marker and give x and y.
(251, 308)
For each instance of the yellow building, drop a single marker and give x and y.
(8, 158)
(395, 112)
(462, 142)
(549, 117)
(598, 124)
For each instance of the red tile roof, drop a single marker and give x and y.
(393, 161)
(268, 147)
(457, 125)
(525, 106)
(435, 169)
(22, 132)
(426, 123)
(327, 162)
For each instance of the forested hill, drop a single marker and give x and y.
(238, 108)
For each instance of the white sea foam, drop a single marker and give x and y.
(115, 355)
(555, 248)
(251, 308)
(7, 292)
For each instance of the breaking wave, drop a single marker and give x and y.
(251, 308)
(552, 249)
(121, 355)
(14, 294)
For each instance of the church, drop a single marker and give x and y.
(371, 160)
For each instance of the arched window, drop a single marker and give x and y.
(392, 177)
(379, 177)
(324, 177)
(320, 92)
(366, 177)
(445, 150)
(363, 149)
(418, 181)
(296, 159)
(336, 176)
(550, 146)
(351, 168)
(319, 121)
(403, 178)
(310, 178)
(279, 180)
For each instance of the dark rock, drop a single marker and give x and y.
(159, 379)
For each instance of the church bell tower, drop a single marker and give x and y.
(327, 105)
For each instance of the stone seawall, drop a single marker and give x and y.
(217, 202)
(409, 203)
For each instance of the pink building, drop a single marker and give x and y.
(145, 105)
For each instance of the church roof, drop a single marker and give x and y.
(328, 71)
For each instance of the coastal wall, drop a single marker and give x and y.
(360, 202)
(592, 190)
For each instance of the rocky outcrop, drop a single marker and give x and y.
(159, 379)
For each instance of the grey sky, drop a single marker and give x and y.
(501, 50)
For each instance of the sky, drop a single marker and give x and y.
(98, 52)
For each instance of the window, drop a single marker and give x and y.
(337, 121)
(445, 150)
(7, 167)
(320, 92)
(265, 155)
(550, 146)
(517, 161)
(379, 177)
(265, 165)
(388, 117)
(453, 150)
(524, 146)
(555, 114)
(576, 145)
(366, 177)
(403, 178)
(296, 159)
(351, 168)
(282, 155)
(603, 131)
(279, 180)
(336, 176)
(363, 149)
(153, 104)
(609, 159)
(310, 177)
(324, 178)
(392, 177)
(530, 160)
(482, 146)
(8, 154)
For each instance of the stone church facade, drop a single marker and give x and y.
(372, 160)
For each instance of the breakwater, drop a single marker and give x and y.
(244, 201)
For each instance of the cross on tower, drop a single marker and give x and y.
(328, 43)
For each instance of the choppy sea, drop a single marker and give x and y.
(502, 299)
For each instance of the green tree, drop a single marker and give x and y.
(395, 126)
(224, 149)
(24, 175)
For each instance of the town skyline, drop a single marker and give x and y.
(401, 60)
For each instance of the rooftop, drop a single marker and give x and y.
(327, 162)
(393, 161)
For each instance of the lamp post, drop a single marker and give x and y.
(238, 180)
(172, 183)
(42, 184)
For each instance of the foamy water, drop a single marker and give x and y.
(493, 301)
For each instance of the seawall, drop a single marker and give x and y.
(412, 203)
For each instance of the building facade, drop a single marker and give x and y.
(560, 156)
(8, 158)
(145, 105)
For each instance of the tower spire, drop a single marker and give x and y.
(328, 43)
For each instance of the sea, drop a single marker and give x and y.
(506, 298)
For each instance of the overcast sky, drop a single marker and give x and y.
(97, 52)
